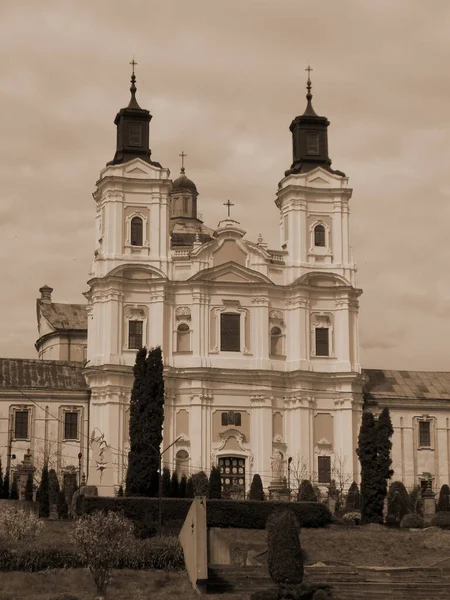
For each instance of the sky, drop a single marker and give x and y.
(223, 81)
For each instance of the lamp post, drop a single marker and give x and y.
(80, 456)
(289, 475)
(160, 455)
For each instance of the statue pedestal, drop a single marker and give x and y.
(279, 491)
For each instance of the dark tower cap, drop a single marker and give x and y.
(133, 123)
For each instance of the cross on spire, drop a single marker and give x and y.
(308, 84)
(228, 204)
(133, 63)
(133, 103)
(183, 156)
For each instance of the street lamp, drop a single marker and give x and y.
(80, 456)
(160, 454)
(289, 475)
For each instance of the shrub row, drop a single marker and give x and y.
(246, 514)
(156, 553)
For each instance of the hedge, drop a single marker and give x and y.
(241, 514)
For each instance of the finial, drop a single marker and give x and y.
(308, 84)
(183, 156)
(133, 102)
(228, 204)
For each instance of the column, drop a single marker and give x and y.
(261, 436)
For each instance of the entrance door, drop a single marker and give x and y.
(232, 473)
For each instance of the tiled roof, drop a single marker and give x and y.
(64, 316)
(32, 374)
(407, 385)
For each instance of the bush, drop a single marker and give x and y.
(165, 483)
(256, 488)
(352, 518)
(102, 538)
(353, 500)
(189, 488)
(174, 486)
(182, 488)
(163, 552)
(62, 506)
(200, 484)
(444, 499)
(29, 487)
(53, 487)
(285, 558)
(441, 519)
(43, 494)
(14, 495)
(304, 591)
(306, 492)
(244, 514)
(20, 524)
(391, 521)
(398, 500)
(215, 484)
(411, 521)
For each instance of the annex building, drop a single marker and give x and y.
(260, 345)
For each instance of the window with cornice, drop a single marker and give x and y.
(22, 424)
(322, 341)
(135, 334)
(319, 235)
(230, 332)
(71, 425)
(425, 434)
(137, 236)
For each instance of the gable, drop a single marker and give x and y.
(231, 272)
(229, 251)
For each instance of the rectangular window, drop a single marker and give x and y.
(230, 332)
(135, 329)
(322, 341)
(71, 425)
(135, 134)
(312, 143)
(425, 434)
(324, 469)
(21, 420)
(224, 419)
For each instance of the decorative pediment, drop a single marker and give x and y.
(231, 272)
(324, 442)
(322, 279)
(224, 435)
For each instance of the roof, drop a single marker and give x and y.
(64, 316)
(407, 385)
(36, 374)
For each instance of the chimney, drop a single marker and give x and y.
(46, 293)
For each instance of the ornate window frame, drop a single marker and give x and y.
(135, 313)
(232, 306)
(182, 317)
(145, 242)
(276, 319)
(424, 418)
(15, 408)
(63, 410)
(319, 320)
(320, 250)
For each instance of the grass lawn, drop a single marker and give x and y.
(78, 584)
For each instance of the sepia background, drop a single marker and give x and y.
(223, 80)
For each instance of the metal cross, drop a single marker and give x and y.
(228, 204)
(183, 156)
(309, 71)
(133, 63)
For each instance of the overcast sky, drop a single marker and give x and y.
(223, 80)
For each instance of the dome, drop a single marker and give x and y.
(184, 183)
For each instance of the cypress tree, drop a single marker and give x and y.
(2, 491)
(174, 486)
(215, 484)
(353, 500)
(385, 432)
(398, 500)
(29, 487)
(146, 421)
(14, 495)
(166, 483)
(285, 558)
(190, 488)
(62, 506)
(5, 494)
(53, 487)
(200, 484)
(44, 500)
(182, 489)
(256, 488)
(367, 454)
(444, 499)
(306, 492)
(120, 492)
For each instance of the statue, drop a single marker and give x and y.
(277, 467)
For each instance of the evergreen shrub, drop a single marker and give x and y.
(53, 487)
(62, 506)
(165, 483)
(415, 500)
(353, 500)
(215, 484)
(256, 488)
(174, 486)
(306, 492)
(285, 559)
(242, 514)
(444, 499)
(43, 498)
(398, 500)
(14, 494)
(183, 485)
(412, 521)
(29, 487)
(441, 519)
(200, 484)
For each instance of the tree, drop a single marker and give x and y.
(5, 494)
(398, 501)
(14, 494)
(165, 484)
(285, 559)
(200, 484)
(374, 452)
(62, 506)
(174, 486)
(444, 499)
(29, 487)
(342, 477)
(183, 485)
(215, 484)
(43, 498)
(353, 500)
(53, 487)
(190, 492)
(256, 488)
(146, 421)
(306, 492)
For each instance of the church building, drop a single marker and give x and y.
(260, 345)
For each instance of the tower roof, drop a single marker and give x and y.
(184, 183)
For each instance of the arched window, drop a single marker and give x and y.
(182, 463)
(136, 231)
(276, 339)
(183, 338)
(319, 235)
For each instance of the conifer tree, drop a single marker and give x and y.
(353, 500)
(14, 494)
(190, 492)
(398, 500)
(44, 500)
(256, 488)
(29, 487)
(1, 481)
(200, 483)
(306, 492)
(385, 432)
(444, 499)
(53, 487)
(183, 485)
(215, 484)
(5, 494)
(146, 421)
(174, 486)
(62, 506)
(166, 483)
